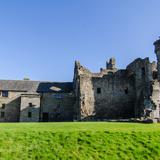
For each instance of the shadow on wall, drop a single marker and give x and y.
(57, 106)
(30, 114)
(10, 111)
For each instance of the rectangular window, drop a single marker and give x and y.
(126, 91)
(143, 71)
(155, 75)
(2, 114)
(29, 114)
(45, 117)
(3, 106)
(98, 90)
(30, 105)
(4, 93)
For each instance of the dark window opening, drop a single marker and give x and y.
(30, 105)
(126, 91)
(29, 114)
(98, 90)
(4, 93)
(3, 106)
(2, 114)
(143, 71)
(155, 75)
(45, 117)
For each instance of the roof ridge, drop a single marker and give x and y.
(33, 81)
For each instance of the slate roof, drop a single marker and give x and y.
(36, 86)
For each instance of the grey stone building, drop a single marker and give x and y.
(112, 93)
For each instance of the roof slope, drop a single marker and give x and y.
(36, 86)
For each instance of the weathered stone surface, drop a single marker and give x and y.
(30, 103)
(60, 107)
(11, 109)
(129, 93)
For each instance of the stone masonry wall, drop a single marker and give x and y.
(117, 96)
(116, 99)
(142, 71)
(58, 106)
(12, 107)
(25, 108)
(87, 102)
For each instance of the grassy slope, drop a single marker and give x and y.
(96, 140)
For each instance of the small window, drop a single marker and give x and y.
(30, 105)
(154, 75)
(143, 71)
(29, 114)
(126, 91)
(98, 90)
(4, 93)
(3, 106)
(2, 114)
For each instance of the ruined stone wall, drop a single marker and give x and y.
(58, 106)
(84, 93)
(26, 108)
(11, 109)
(142, 70)
(117, 96)
(115, 100)
(87, 102)
(155, 97)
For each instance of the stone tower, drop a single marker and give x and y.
(111, 64)
(157, 51)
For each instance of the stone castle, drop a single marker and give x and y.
(112, 93)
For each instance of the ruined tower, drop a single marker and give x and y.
(111, 64)
(157, 51)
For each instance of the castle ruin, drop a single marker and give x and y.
(112, 93)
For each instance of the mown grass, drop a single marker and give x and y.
(86, 141)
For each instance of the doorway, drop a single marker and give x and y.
(45, 117)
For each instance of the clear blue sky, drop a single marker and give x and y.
(41, 39)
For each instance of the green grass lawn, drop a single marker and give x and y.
(86, 141)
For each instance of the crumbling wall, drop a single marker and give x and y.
(87, 102)
(116, 93)
(142, 70)
(117, 96)
(155, 97)
(84, 92)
